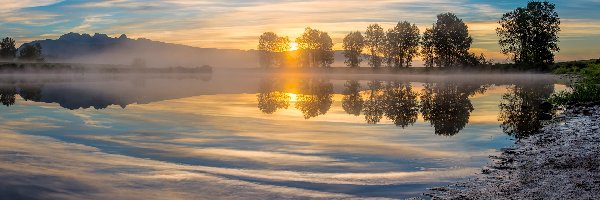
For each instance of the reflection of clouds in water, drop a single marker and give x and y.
(59, 168)
(89, 119)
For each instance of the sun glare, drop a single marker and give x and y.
(293, 46)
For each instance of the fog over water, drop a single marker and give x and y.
(242, 134)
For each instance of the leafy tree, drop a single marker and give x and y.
(373, 107)
(352, 102)
(401, 104)
(271, 49)
(31, 52)
(7, 49)
(316, 48)
(8, 95)
(521, 109)
(447, 106)
(403, 43)
(447, 43)
(375, 42)
(270, 99)
(316, 98)
(530, 35)
(353, 45)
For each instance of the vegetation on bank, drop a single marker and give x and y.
(585, 88)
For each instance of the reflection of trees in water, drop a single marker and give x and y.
(394, 100)
(400, 103)
(31, 92)
(352, 102)
(270, 99)
(315, 98)
(374, 105)
(8, 95)
(447, 106)
(522, 108)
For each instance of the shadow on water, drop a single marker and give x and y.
(446, 105)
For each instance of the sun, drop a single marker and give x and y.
(293, 46)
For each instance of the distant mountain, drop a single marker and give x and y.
(102, 49)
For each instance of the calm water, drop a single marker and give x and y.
(245, 135)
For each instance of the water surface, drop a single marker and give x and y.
(248, 135)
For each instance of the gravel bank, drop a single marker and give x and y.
(561, 162)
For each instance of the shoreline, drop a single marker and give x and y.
(560, 162)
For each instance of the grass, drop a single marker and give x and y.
(585, 90)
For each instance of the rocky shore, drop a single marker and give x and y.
(561, 162)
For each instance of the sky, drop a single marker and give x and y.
(237, 24)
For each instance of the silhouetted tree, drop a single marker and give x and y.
(352, 102)
(353, 46)
(373, 107)
(31, 52)
(530, 35)
(401, 104)
(315, 48)
(8, 51)
(272, 48)
(8, 95)
(402, 44)
(447, 106)
(447, 43)
(521, 109)
(269, 99)
(375, 42)
(315, 99)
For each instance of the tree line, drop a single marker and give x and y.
(528, 35)
(29, 52)
(445, 105)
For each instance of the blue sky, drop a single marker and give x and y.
(237, 24)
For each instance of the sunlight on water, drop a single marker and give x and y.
(260, 138)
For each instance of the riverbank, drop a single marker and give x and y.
(561, 162)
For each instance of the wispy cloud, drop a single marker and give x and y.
(236, 24)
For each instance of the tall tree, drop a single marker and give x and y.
(447, 43)
(403, 43)
(270, 99)
(8, 49)
(530, 35)
(271, 49)
(375, 42)
(353, 45)
(352, 102)
(316, 48)
(401, 104)
(31, 52)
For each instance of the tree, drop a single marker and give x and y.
(353, 45)
(373, 107)
(352, 102)
(31, 52)
(403, 43)
(315, 99)
(401, 104)
(271, 49)
(315, 48)
(7, 49)
(447, 105)
(447, 43)
(530, 35)
(270, 99)
(375, 42)
(521, 108)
